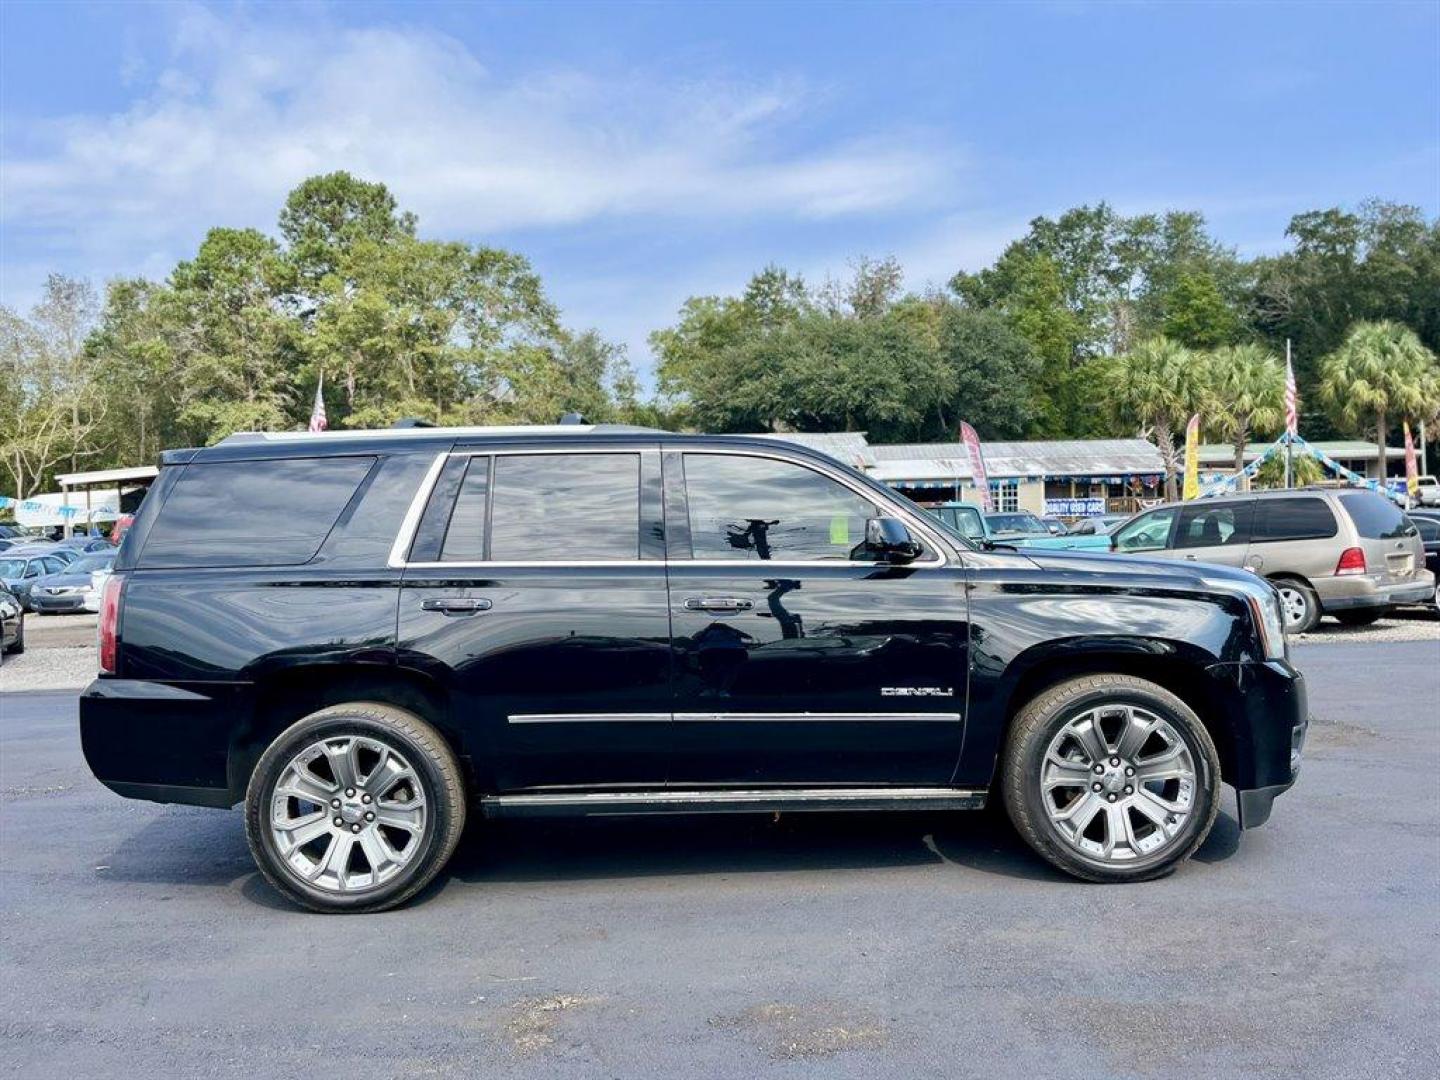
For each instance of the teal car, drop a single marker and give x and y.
(1020, 529)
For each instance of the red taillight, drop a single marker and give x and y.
(1352, 561)
(109, 622)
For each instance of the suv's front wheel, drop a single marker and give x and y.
(1111, 778)
(354, 808)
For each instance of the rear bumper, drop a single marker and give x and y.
(166, 742)
(1363, 591)
(1269, 717)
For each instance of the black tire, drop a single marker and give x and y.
(1298, 593)
(18, 645)
(435, 765)
(1362, 617)
(1042, 718)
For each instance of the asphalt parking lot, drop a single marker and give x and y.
(139, 940)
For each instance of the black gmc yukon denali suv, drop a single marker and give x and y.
(366, 636)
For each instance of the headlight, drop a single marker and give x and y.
(1264, 604)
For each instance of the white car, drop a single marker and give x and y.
(98, 578)
(1429, 492)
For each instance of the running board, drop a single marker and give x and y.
(777, 800)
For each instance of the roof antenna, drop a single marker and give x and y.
(573, 418)
(412, 422)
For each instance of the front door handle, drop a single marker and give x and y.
(455, 605)
(718, 603)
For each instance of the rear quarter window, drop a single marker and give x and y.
(1300, 518)
(252, 513)
(1375, 518)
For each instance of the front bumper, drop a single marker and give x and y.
(53, 605)
(1269, 714)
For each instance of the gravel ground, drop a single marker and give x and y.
(138, 940)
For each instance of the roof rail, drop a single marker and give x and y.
(436, 432)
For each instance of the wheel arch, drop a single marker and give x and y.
(1182, 669)
(281, 699)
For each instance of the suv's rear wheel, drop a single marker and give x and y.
(1299, 603)
(354, 808)
(1111, 778)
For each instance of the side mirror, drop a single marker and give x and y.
(889, 539)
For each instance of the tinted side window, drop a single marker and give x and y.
(252, 513)
(1429, 530)
(1375, 518)
(1225, 524)
(1303, 518)
(564, 507)
(1150, 532)
(465, 536)
(759, 508)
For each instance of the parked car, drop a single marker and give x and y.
(1429, 492)
(1023, 529)
(1428, 526)
(410, 626)
(65, 590)
(1053, 525)
(86, 544)
(12, 623)
(21, 567)
(49, 548)
(1342, 552)
(96, 591)
(975, 526)
(1098, 526)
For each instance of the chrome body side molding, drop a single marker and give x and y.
(765, 801)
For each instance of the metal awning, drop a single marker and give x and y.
(108, 477)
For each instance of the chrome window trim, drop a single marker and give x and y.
(411, 521)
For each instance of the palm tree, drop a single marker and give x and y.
(1158, 384)
(1381, 370)
(1249, 387)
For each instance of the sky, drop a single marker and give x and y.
(639, 154)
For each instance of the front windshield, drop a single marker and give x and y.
(1017, 523)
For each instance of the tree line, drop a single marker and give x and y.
(1091, 324)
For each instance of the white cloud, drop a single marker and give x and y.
(243, 111)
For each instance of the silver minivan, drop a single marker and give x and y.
(1345, 552)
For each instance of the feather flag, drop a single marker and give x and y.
(1192, 459)
(318, 421)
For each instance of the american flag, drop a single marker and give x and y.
(1292, 419)
(318, 422)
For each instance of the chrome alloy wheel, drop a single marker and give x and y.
(1295, 606)
(348, 814)
(1118, 783)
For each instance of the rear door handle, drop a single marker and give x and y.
(455, 605)
(718, 603)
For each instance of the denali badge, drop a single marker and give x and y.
(917, 691)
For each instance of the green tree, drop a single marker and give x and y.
(1380, 373)
(327, 217)
(238, 355)
(52, 402)
(1247, 386)
(853, 355)
(1379, 262)
(1196, 314)
(1158, 385)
